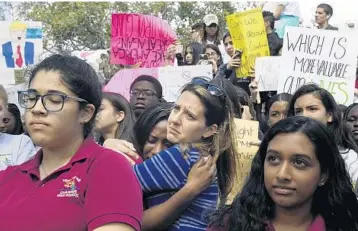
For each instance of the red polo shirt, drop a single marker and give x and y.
(97, 187)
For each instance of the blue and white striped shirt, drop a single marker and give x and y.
(166, 173)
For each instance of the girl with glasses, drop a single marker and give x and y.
(70, 172)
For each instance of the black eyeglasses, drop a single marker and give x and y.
(145, 92)
(214, 90)
(52, 102)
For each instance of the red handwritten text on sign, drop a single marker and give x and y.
(139, 38)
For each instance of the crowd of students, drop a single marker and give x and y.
(90, 160)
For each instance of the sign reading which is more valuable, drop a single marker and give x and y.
(327, 58)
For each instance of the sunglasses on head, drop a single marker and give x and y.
(214, 90)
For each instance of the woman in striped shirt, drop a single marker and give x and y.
(200, 125)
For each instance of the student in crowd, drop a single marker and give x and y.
(247, 107)
(71, 172)
(214, 57)
(200, 125)
(192, 53)
(274, 41)
(14, 149)
(228, 70)
(298, 181)
(197, 32)
(312, 101)
(211, 30)
(145, 91)
(115, 118)
(275, 110)
(324, 13)
(12, 123)
(150, 138)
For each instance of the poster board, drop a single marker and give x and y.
(20, 46)
(171, 78)
(248, 33)
(137, 38)
(325, 57)
(267, 72)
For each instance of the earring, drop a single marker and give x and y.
(321, 184)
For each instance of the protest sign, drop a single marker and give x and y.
(20, 46)
(139, 38)
(267, 72)
(174, 78)
(246, 133)
(120, 83)
(248, 33)
(12, 94)
(171, 78)
(327, 58)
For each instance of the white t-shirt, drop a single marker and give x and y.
(351, 159)
(15, 150)
(291, 8)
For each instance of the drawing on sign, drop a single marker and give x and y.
(21, 44)
(139, 38)
(267, 72)
(327, 58)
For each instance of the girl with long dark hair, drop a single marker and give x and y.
(298, 181)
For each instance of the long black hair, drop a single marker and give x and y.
(197, 49)
(335, 201)
(342, 137)
(14, 110)
(147, 121)
(120, 103)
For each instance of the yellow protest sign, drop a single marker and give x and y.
(248, 33)
(246, 133)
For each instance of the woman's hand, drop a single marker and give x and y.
(201, 175)
(123, 147)
(170, 52)
(254, 90)
(233, 64)
(215, 65)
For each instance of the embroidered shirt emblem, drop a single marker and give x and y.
(69, 187)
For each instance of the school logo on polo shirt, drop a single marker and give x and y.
(69, 187)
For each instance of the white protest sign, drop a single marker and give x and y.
(327, 58)
(174, 78)
(267, 72)
(12, 94)
(20, 46)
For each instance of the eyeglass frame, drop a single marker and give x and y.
(142, 91)
(38, 96)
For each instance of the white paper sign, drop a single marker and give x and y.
(267, 72)
(20, 46)
(174, 78)
(325, 57)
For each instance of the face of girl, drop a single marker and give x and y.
(189, 55)
(278, 111)
(108, 118)
(311, 106)
(229, 47)
(292, 172)
(352, 122)
(8, 122)
(54, 129)
(212, 55)
(186, 123)
(157, 140)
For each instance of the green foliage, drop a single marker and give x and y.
(72, 26)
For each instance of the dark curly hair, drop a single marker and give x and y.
(335, 201)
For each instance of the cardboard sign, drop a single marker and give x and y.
(140, 38)
(174, 78)
(20, 46)
(267, 72)
(171, 78)
(327, 58)
(246, 132)
(248, 33)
